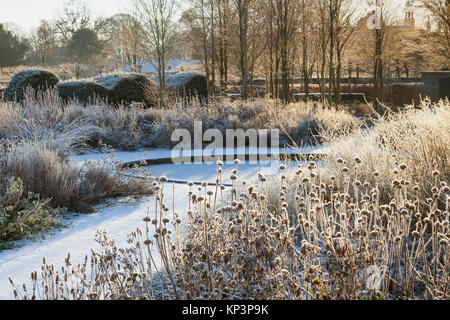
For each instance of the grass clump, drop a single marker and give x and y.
(74, 187)
(416, 137)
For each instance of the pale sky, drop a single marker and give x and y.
(26, 14)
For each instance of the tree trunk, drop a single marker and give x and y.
(213, 52)
(378, 66)
(205, 46)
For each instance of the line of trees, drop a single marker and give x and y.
(73, 37)
(276, 39)
(285, 38)
(13, 47)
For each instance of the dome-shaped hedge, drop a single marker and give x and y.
(130, 87)
(83, 91)
(34, 78)
(188, 84)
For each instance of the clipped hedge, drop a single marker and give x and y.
(34, 78)
(188, 84)
(407, 93)
(83, 91)
(130, 87)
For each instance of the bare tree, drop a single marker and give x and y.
(287, 23)
(223, 38)
(127, 36)
(323, 42)
(440, 11)
(44, 39)
(159, 24)
(307, 36)
(242, 8)
(344, 29)
(200, 19)
(75, 16)
(382, 22)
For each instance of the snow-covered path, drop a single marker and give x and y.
(77, 239)
(119, 220)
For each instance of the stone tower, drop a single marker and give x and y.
(410, 10)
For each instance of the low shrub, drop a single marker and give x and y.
(83, 91)
(24, 215)
(130, 87)
(38, 80)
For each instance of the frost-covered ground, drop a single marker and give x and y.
(119, 218)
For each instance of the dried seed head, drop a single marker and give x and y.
(109, 257)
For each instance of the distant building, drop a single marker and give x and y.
(410, 20)
(437, 84)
